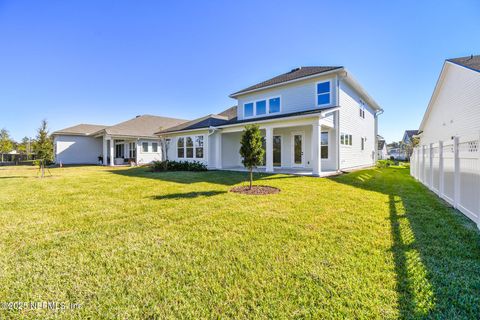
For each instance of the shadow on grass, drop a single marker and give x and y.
(227, 178)
(188, 195)
(436, 249)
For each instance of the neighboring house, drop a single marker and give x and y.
(408, 136)
(314, 119)
(133, 140)
(382, 153)
(454, 108)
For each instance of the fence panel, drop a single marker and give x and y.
(452, 170)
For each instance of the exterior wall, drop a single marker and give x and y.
(455, 108)
(71, 149)
(172, 149)
(147, 157)
(298, 96)
(351, 123)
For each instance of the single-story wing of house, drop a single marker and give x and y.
(315, 120)
(131, 141)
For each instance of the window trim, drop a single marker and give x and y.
(328, 145)
(148, 145)
(267, 107)
(153, 142)
(194, 147)
(329, 93)
(362, 108)
(350, 144)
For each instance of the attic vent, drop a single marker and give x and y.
(296, 69)
(138, 116)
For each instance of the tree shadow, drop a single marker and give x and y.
(188, 195)
(436, 249)
(221, 177)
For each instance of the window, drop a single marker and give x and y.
(180, 148)
(132, 150)
(119, 150)
(274, 105)
(144, 146)
(323, 93)
(261, 107)
(324, 145)
(346, 139)
(198, 147)
(248, 109)
(189, 147)
(362, 110)
(154, 147)
(363, 143)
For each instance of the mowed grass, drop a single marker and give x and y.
(127, 243)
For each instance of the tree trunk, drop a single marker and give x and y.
(42, 168)
(251, 178)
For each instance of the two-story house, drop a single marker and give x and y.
(315, 120)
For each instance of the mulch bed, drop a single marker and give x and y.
(256, 190)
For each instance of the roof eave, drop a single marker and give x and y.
(240, 93)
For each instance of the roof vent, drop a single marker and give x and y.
(138, 116)
(296, 69)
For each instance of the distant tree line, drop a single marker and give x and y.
(40, 147)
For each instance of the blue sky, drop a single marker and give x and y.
(103, 62)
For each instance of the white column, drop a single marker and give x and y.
(269, 149)
(218, 150)
(105, 151)
(112, 153)
(316, 151)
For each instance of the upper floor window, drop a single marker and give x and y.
(323, 93)
(248, 112)
(362, 110)
(261, 107)
(274, 105)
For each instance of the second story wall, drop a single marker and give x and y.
(294, 97)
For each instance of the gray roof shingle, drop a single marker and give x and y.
(471, 62)
(80, 129)
(294, 74)
(143, 126)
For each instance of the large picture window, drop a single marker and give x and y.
(190, 147)
(323, 93)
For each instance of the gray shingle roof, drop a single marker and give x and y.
(294, 74)
(80, 129)
(471, 62)
(143, 126)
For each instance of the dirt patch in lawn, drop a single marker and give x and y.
(256, 190)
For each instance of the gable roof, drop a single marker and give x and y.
(297, 73)
(471, 62)
(80, 129)
(142, 126)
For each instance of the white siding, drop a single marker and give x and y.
(147, 157)
(298, 96)
(351, 123)
(455, 110)
(77, 149)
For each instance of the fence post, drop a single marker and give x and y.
(430, 182)
(456, 193)
(423, 165)
(440, 169)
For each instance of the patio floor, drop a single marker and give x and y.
(292, 171)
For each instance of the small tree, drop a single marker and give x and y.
(6, 144)
(251, 149)
(43, 147)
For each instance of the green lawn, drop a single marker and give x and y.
(127, 243)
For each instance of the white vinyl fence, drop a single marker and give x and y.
(451, 169)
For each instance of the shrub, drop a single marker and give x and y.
(385, 163)
(177, 166)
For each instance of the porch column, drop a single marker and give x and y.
(112, 153)
(269, 149)
(316, 150)
(218, 150)
(105, 151)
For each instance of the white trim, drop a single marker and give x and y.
(293, 164)
(267, 107)
(330, 93)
